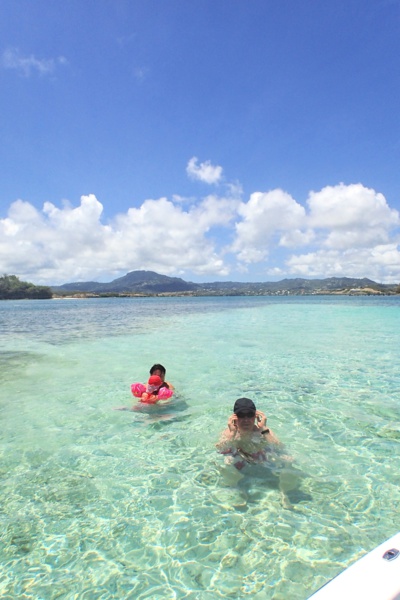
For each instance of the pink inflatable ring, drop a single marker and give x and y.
(140, 391)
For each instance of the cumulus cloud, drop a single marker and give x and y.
(68, 244)
(264, 217)
(26, 65)
(380, 263)
(350, 207)
(347, 229)
(340, 231)
(205, 171)
(352, 216)
(356, 234)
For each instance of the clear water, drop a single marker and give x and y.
(97, 503)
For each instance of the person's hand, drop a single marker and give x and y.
(232, 423)
(261, 420)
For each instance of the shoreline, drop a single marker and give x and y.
(191, 294)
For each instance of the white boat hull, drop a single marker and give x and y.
(375, 576)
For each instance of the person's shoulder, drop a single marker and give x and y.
(226, 434)
(225, 440)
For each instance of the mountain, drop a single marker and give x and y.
(149, 283)
(137, 282)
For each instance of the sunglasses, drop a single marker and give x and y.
(246, 414)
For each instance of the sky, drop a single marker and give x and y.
(213, 140)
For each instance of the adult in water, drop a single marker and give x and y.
(247, 437)
(248, 440)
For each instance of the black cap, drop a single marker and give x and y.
(243, 404)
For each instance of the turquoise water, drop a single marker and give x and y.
(97, 503)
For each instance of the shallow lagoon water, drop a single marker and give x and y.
(97, 503)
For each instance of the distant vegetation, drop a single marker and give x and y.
(11, 288)
(149, 283)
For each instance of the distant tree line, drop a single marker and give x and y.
(11, 288)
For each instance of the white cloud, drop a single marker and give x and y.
(177, 199)
(355, 235)
(214, 210)
(380, 263)
(343, 230)
(267, 216)
(58, 245)
(350, 207)
(26, 65)
(296, 237)
(350, 230)
(205, 172)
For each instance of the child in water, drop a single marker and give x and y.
(153, 385)
(155, 390)
(160, 370)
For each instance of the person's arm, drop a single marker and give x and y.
(224, 441)
(228, 434)
(265, 431)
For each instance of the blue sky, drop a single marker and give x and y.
(211, 140)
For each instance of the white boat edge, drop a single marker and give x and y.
(375, 576)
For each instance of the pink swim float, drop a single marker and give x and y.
(139, 390)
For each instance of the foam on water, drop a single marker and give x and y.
(97, 503)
